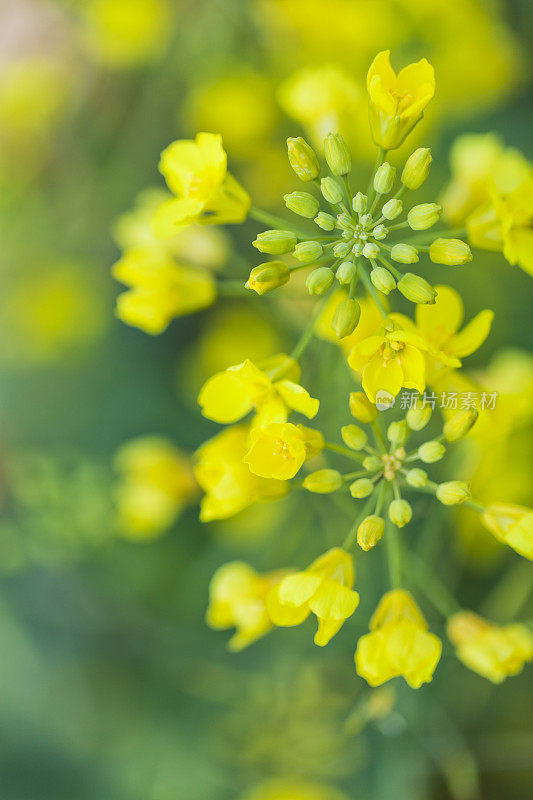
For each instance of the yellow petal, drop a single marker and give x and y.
(438, 322)
(333, 601)
(282, 614)
(472, 336)
(413, 365)
(371, 659)
(173, 214)
(363, 351)
(297, 398)
(518, 248)
(294, 590)
(224, 398)
(380, 375)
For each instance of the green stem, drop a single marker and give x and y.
(277, 222)
(351, 537)
(371, 289)
(431, 488)
(394, 555)
(435, 591)
(343, 451)
(233, 289)
(382, 154)
(380, 440)
(308, 331)
(352, 476)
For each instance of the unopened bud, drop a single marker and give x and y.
(384, 178)
(416, 478)
(379, 232)
(342, 249)
(302, 159)
(460, 424)
(370, 250)
(404, 253)
(429, 452)
(382, 280)
(337, 154)
(302, 203)
(397, 432)
(268, 276)
(325, 221)
(372, 463)
(416, 289)
(392, 208)
(345, 220)
(319, 280)
(361, 488)
(331, 190)
(452, 493)
(451, 252)
(416, 168)
(357, 249)
(275, 243)
(424, 216)
(359, 203)
(418, 418)
(370, 532)
(353, 437)
(361, 408)
(345, 272)
(346, 317)
(306, 252)
(400, 512)
(323, 481)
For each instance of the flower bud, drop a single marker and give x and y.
(342, 249)
(325, 221)
(416, 168)
(319, 280)
(308, 251)
(275, 242)
(366, 219)
(347, 234)
(361, 408)
(345, 220)
(429, 452)
(302, 159)
(268, 276)
(361, 488)
(416, 289)
(400, 512)
(418, 418)
(346, 318)
(397, 432)
(451, 252)
(416, 478)
(424, 216)
(384, 178)
(379, 232)
(323, 481)
(337, 154)
(331, 190)
(370, 250)
(392, 208)
(372, 463)
(382, 280)
(370, 532)
(353, 437)
(404, 253)
(359, 203)
(357, 249)
(302, 203)
(452, 493)
(345, 272)
(460, 424)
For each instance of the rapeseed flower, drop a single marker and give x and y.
(279, 449)
(512, 525)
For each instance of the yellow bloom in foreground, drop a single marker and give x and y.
(399, 643)
(292, 789)
(228, 484)
(271, 390)
(278, 450)
(397, 102)
(512, 525)
(237, 595)
(196, 172)
(161, 289)
(390, 359)
(491, 651)
(324, 588)
(156, 480)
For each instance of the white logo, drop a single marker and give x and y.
(384, 400)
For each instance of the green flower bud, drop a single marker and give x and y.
(460, 424)
(418, 418)
(382, 280)
(325, 221)
(384, 178)
(346, 318)
(359, 203)
(323, 481)
(366, 219)
(452, 493)
(397, 432)
(342, 249)
(357, 249)
(370, 532)
(416, 478)
(416, 168)
(404, 253)
(319, 280)
(347, 234)
(424, 216)
(451, 252)
(400, 512)
(361, 408)
(275, 242)
(416, 289)
(379, 232)
(361, 488)
(429, 452)
(345, 272)
(302, 203)
(302, 159)
(370, 250)
(268, 276)
(345, 220)
(392, 209)
(372, 463)
(337, 154)
(308, 251)
(331, 190)
(353, 437)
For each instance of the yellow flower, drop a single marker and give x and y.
(271, 390)
(390, 359)
(161, 289)
(156, 480)
(397, 102)
(33, 92)
(205, 192)
(278, 450)
(292, 789)
(237, 595)
(399, 643)
(228, 483)
(512, 525)
(492, 651)
(324, 588)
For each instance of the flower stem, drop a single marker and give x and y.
(352, 533)
(277, 222)
(371, 289)
(308, 331)
(233, 289)
(343, 451)
(394, 555)
(435, 591)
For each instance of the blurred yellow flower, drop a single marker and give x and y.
(399, 643)
(237, 595)
(196, 172)
(161, 289)
(228, 484)
(33, 91)
(492, 651)
(279, 449)
(292, 789)
(324, 588)
(271, 390)
(512, 525)
(397, 102)
(155, 482)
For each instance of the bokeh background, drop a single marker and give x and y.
(111, 685)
